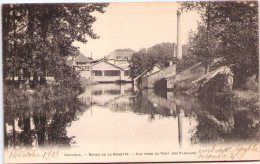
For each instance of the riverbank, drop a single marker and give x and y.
(24, 98)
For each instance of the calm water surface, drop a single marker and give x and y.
(118, 115)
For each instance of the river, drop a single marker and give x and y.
(120, 116)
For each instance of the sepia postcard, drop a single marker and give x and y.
(174, 81)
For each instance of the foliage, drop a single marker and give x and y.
(145, 59)
(200, 42)
(204, 45)
(239, 35)
(240, 116)
(185, 62)
(228, 30)
(38, 37)
(250, 125)
(140, 62)
(17, 99)
(162, 53)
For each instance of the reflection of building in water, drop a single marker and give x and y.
(170, 106)
(122, 103)
(148, 103)
(106, 93)
(180, 125)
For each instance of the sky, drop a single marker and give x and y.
(137, 25)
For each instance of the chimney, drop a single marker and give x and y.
(174, 50)
(179, 47)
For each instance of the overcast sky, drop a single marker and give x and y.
(137, 25)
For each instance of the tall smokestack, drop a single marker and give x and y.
(174, 50)
(179, 47)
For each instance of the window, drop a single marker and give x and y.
(97, 73)
(112, 92)
(118, 58)
(96, 92)
(112, 73)
(85, 68)
(126, 58)
(81, 63)
(78, 68)
(127, 73)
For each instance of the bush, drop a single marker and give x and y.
(15, 98)
(185, 63)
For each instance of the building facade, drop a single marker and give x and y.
(120, 58)
(113, 68)
(104, 71)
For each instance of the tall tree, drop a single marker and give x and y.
(205, 46)
(233, 26)
(206, 11)
(140, 62)
(145, 59)
(238, 25)
(162, 53)
(38, 36)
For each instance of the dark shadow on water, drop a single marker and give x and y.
(218, 118)
(41, 126)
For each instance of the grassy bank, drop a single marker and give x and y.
(16, 98)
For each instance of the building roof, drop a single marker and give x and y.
(147, 72)
(122, 53)
(123, 65)
(82, 58)
(104, 60)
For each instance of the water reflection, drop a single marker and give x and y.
(115, 114)
(176, 124)
(41, 126)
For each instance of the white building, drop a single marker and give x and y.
(114, 68)
(104, 71)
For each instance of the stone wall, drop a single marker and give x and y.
(219, 80)
(149, 81)
(182, 80)
(194, 79)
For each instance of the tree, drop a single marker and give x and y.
(233, 29)
(145, 59)
(205, 46)
(35, 34)
(206, 11)
(140, 62)
(238, 30)
(162, 53)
